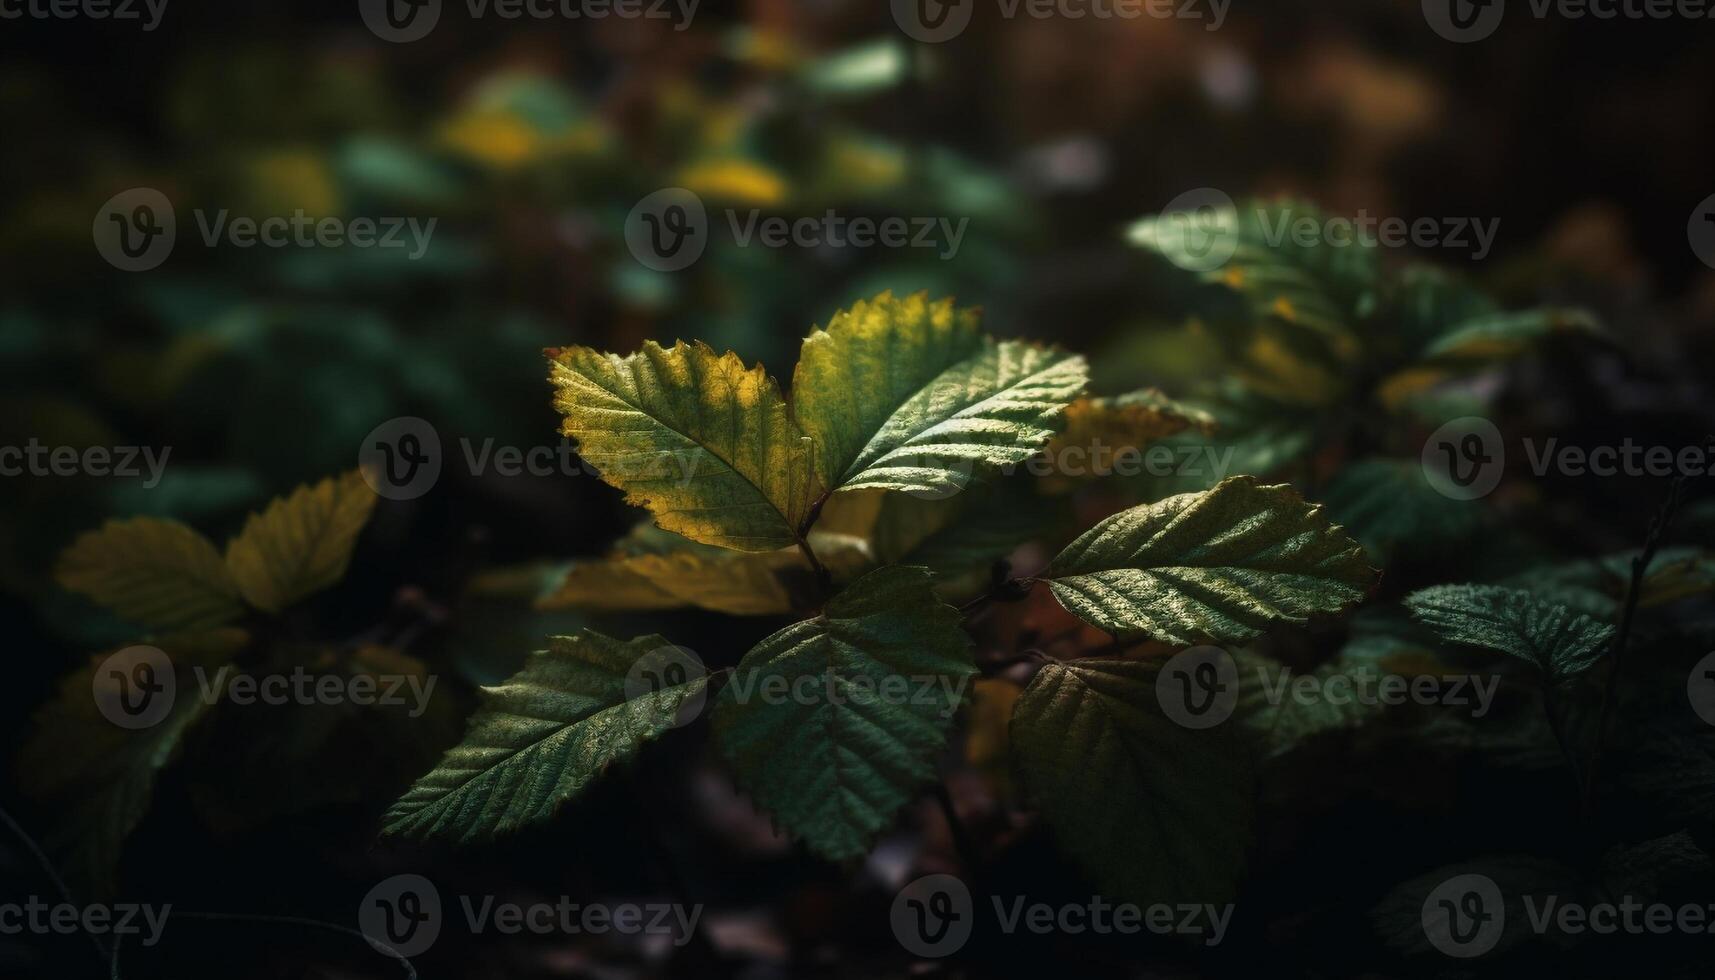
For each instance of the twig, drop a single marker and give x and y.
(1640, 566)
(47, 867)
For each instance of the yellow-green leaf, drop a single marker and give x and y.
(703, 442)
(152, 572)
(300, 544)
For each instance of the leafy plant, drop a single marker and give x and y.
(892, 452)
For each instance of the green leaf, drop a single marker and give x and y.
(98, 777)
(1152, 811)
(879, 675)
(1100, 429)
(300, 544)
(905, 395)
(855, 375)
(1500, 336)
(540, 738)
(703, 442)
(1216, 566)
(1559, 642)
(1389, 506)
(155, 573)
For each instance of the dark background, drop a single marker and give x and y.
(262, 369)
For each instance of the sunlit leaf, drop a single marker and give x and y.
(1220, 566)
(300, 544)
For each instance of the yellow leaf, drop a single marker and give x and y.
(702, 441)
(302, 543)
(737, 181)
(152, 572)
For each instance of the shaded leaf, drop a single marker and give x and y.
(1152, 812)
(540, 738)
(880, 675)
(155, 573)
(1560, 642)
(300, 544)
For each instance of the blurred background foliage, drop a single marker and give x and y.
(530, 142)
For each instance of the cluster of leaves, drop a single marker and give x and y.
(1310, 348)
(210, 614)
(908, 399)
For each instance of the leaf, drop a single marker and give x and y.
(1389, 506)
(155, 573)
(1100, 429)
(703, 442)
(97, 777)
(671, 572)
(855, 375)
(905, 395)
(1152, 812)
(1561, 643)
(1502, 336)
(837, 759)
(300, 544)
(540, 738)
(1218, 566)
(892, 524)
